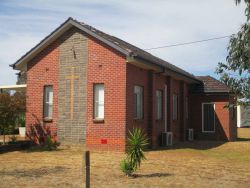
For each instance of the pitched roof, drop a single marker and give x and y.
(120, 45)
(210, 85)
(135, 51)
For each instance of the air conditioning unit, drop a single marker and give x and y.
(190, 135)
(167, 139)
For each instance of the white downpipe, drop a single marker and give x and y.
(238, 116)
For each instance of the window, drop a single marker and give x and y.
(175, 107)
(158, 104)
(138, 102)
(99, 101)
(208, 117)
(48, 102)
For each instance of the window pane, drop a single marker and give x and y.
(50, 94)
(208, 117)
(46, 114)
(50, 110)
(159, 104)
(135, 105)
(99, 101)
(138, 102)
(48, 102)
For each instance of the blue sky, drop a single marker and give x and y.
(144, 23)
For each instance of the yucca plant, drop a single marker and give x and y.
(126, 167)
(136, 143)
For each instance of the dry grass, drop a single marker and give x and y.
(187, 165)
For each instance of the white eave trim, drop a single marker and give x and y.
(13, 86)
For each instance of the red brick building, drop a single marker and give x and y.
(84, 85)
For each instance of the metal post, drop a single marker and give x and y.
(87, 168)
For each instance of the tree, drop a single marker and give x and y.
(236, 71)
(11, 107)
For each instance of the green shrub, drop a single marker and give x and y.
(50, 144)
(136, 144)
(126, 167)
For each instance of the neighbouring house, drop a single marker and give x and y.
(85, 86)
(243, 116)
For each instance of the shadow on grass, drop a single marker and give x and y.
(243, 139)
(153, 175)
(16, 146)
(39, 172)
(197, 145)
(39, 149)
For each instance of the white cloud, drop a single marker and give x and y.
(143, 23)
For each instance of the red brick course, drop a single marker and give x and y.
(42, 70)
(108, 67)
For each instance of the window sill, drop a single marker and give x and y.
(47, 120)
(98, 120)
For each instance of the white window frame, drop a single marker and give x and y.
(203, 117)
(47, 102)
(175, 116)
(159, 104)
(138, 102)
(97, 103)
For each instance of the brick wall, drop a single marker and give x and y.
(222, 116)
(175, 125)
(72, 92)
(151, 126)
(108, 67)
(158, 125)
(140, 77)
(42, 70)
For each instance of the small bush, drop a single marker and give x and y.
(136, 142)
(126, 167)
(50, 144)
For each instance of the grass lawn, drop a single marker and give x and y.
(186, 165)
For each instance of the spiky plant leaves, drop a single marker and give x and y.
(137, 142)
